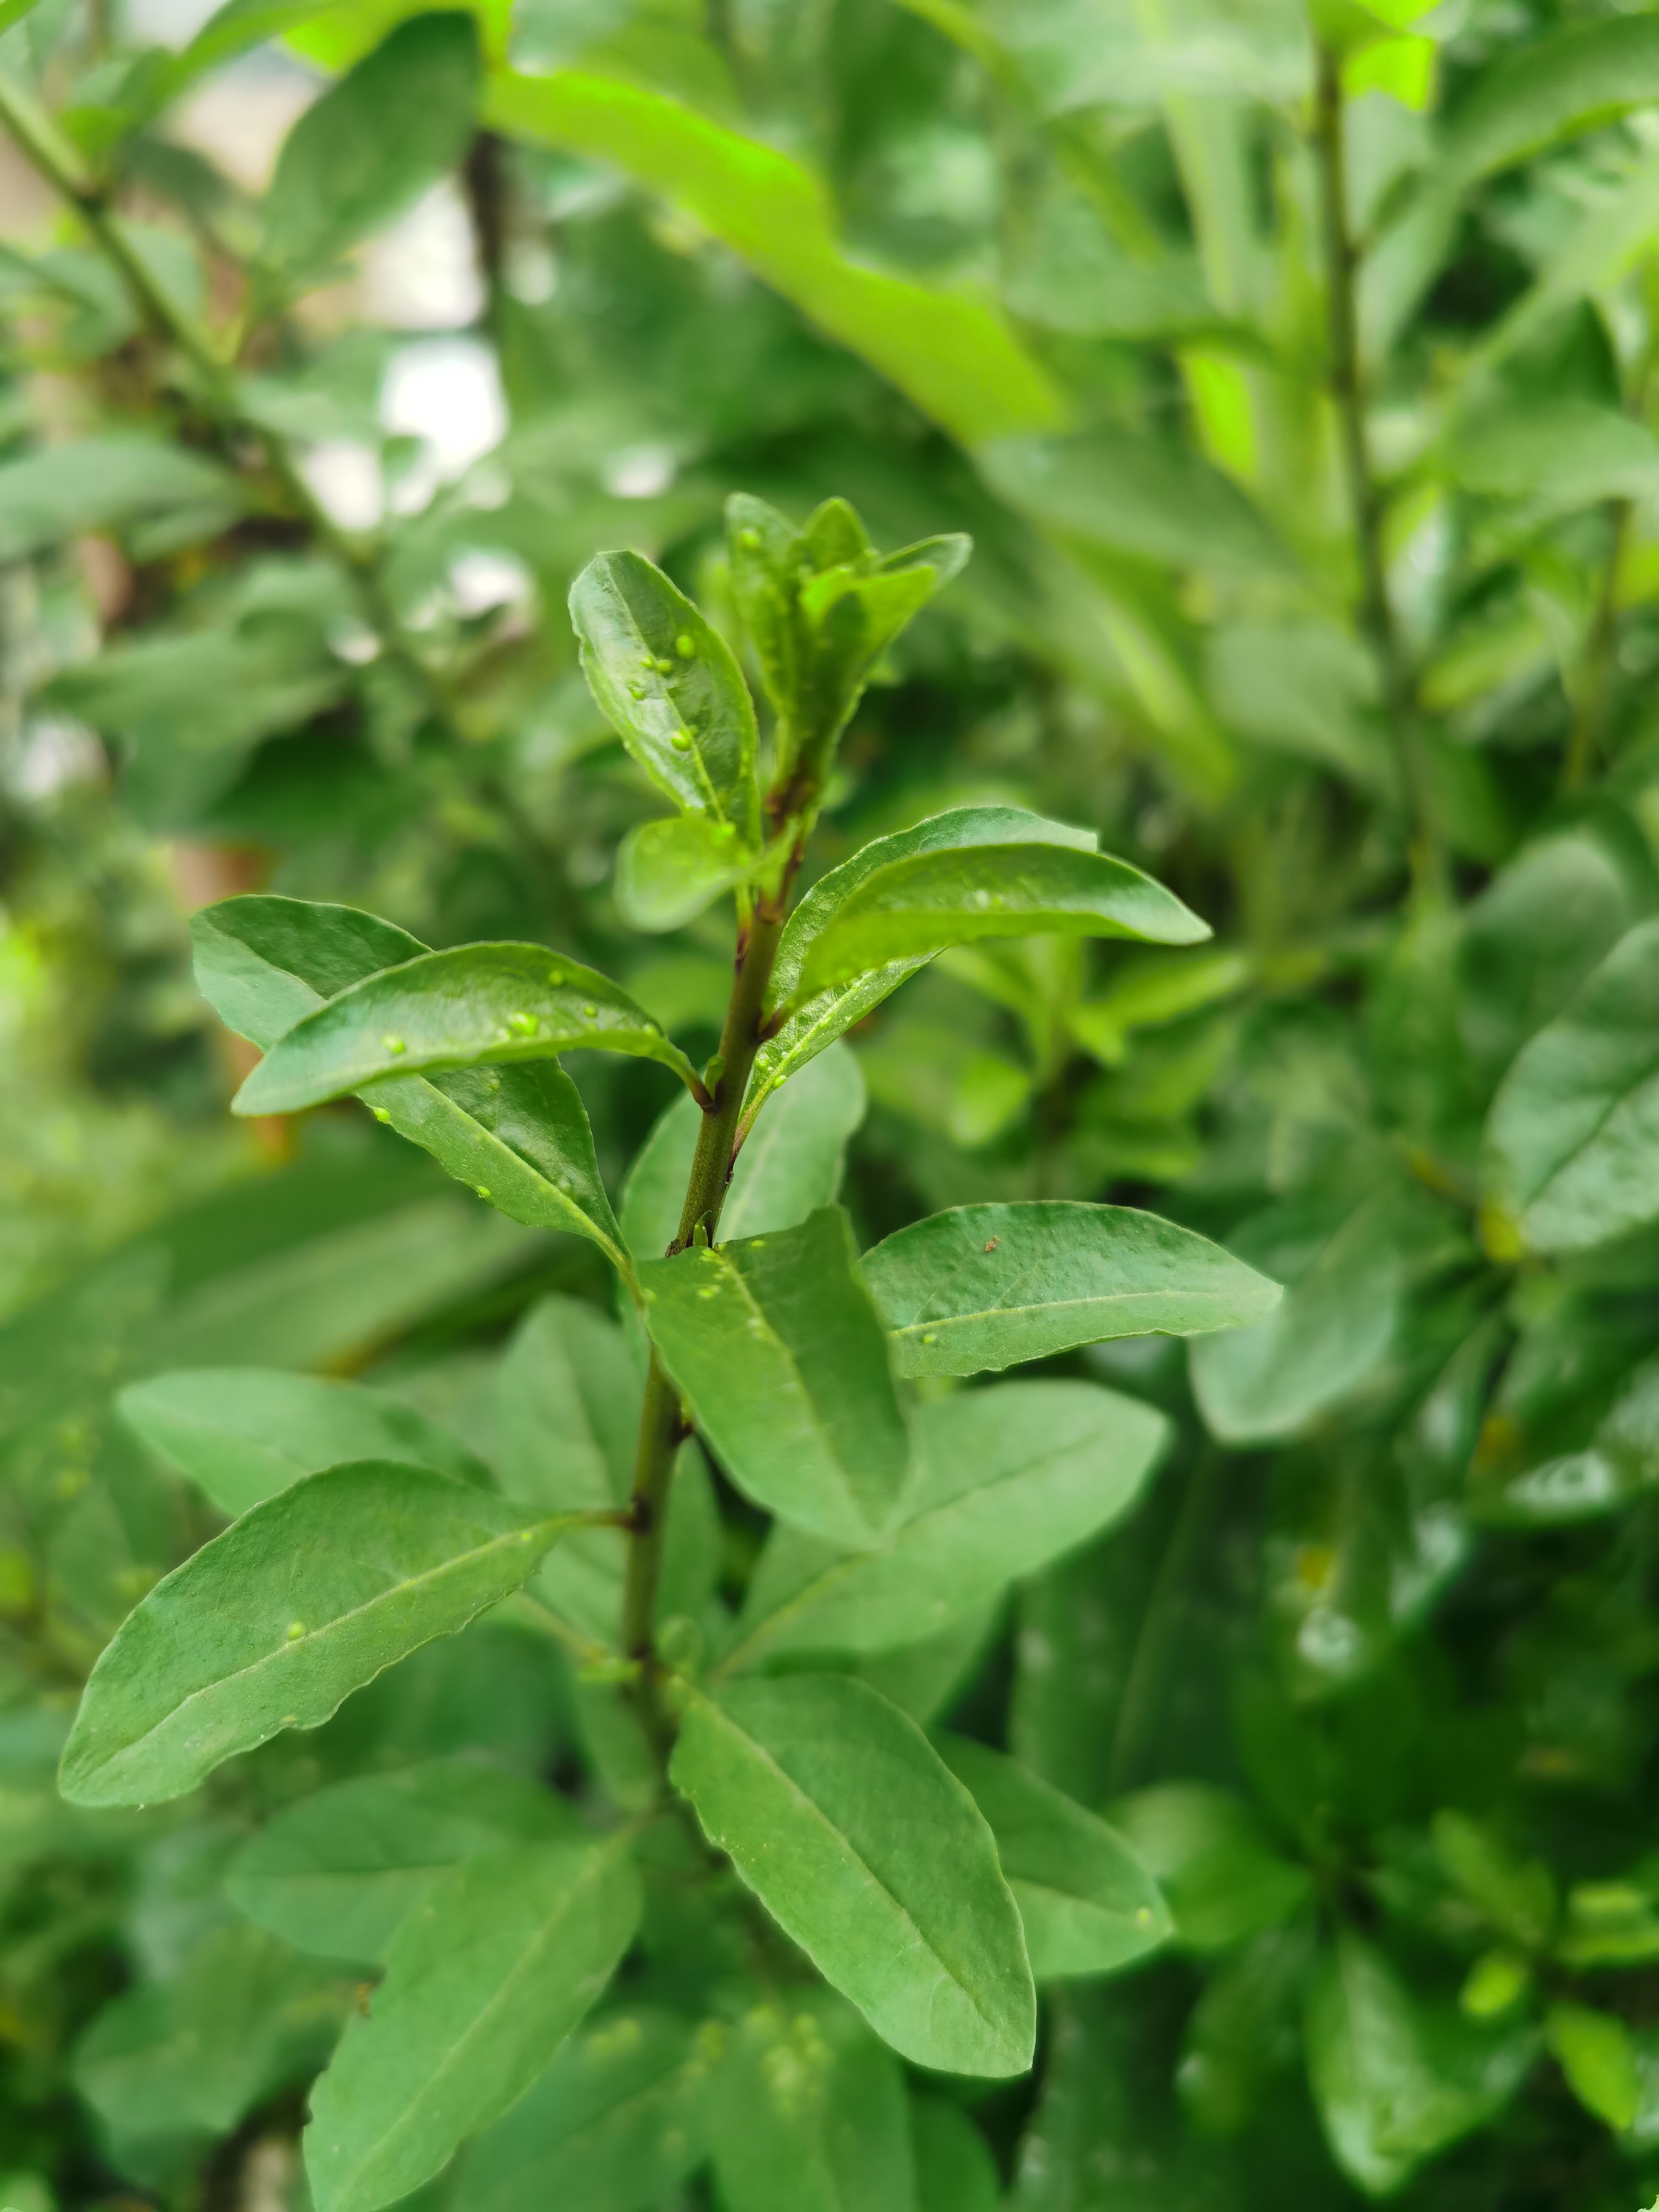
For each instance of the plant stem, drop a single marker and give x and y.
(1376, 615)
(661, 1422)
(58, 163)
(1595, 667)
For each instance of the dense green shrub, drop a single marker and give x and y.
(1278, 1702)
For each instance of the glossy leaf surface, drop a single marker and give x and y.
(990, 1285)
(842, 1818)
(269, 1626)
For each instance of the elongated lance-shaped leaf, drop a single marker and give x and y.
(485, 1979)
(475, 1004)
(1005, 1480)
(776, 1346)
(810, 1020)
(989, 1285)
(240, 1434)
(1572, 1147)
(336, 1872)
(855, 1837)
(272, 1624)
(1087, 1904)
(668, 684)
(913, 907)
(519, 1134)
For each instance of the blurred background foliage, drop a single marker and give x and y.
(1293, 373)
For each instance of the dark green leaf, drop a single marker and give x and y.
(264, 963)
(485, 1979)
(954, 2171)
(1005, 1479)
(809, 2111)
(240, 1434)
(373, 144)
(272, 1625)
(1087, 1904)
(107, 483)
(1206, 1849)
(845, 1823)
(777, 1349)
(618, 2118)
(479, 1004)
(991, 1285)
(666, 682)
(339, 1871)
(1571, 1147)
(909, 908)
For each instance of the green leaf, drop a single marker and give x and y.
(949, 352)
(1222, 1878)
(910, 908)
(520, 1133)
(192, 2054)
(240, 1434)
(1578, 78)
(107, 483)
(1572, 1142)
(818, 1020)
(476, 1005)
(485, 1979)
(990, 1285)
(567, 1416)
(853, 1833)
(1005, 1480)
(778, 1352)
(1087, 1904)
(1245, 2029)
(668, 872)
(373, 144)
(1141, 495)
(1594, 2051)
(666, 682)
(617, 2120)
(272, 1624)
(337, 1872)
(954, 2171)
(1393, 2084)
(1319, 1342)
(809, 2111)
(790, 1163)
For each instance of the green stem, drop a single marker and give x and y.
(662, 1424)
(61, 167)
(1377, 615)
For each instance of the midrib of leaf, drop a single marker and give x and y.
(922, 1941)
(703, 777)
(1583, 1144)
(599, 1864)
(549, 1528)
(1051, 1306)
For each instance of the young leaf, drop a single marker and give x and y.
(485, 1979)
(990, 1285)
(1223, 1878)
(617, 2120)
(790, 1163)
(478, 1004)
(520, 1133)
(1087, 1904)
(849, 1829)
(668, 872)
(911, 909)
(808, 2110)
(667, 683)
(1594, 2051)
(1572, 1140)
(272, 1624)
(763, 557)
(777, 1350)
(1005, 1480)
(338, 1871)
(815, 1020)
(240, 1434)
(951, 354)
(373, 144)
